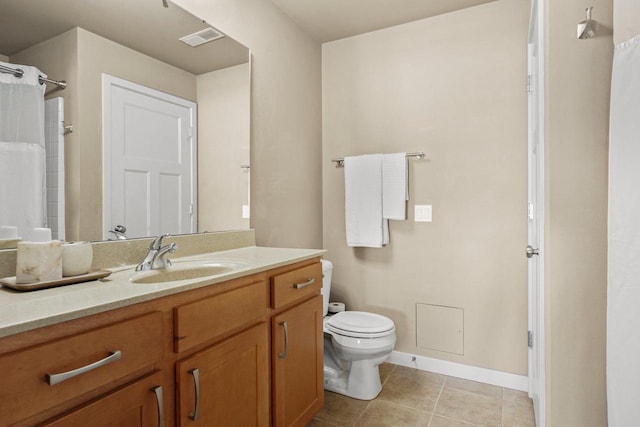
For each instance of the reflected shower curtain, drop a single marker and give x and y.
(22, 151)
(623, 304)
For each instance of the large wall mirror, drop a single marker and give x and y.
(156, 131)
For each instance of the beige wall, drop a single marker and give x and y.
(286, 178)
(223, 142)
(577, 108)
(626, 17)
(452, 86)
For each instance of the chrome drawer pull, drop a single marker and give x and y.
(158, 391)
(196, 380)
(307, 283)
(283, 355)
(53, 379)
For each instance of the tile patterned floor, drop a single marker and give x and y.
(411, 397)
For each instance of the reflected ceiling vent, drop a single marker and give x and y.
(201, 37)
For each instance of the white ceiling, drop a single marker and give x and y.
(142, 25)
(327, 20)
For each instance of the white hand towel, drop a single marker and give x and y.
(394, 186)
(365, 226)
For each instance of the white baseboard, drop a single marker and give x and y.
(458, 370)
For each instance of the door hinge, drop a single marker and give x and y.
(530, 339)
(530, 211)
(191, 209)
(529, 83)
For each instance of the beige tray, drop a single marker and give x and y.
(10, 282)
(9, 243)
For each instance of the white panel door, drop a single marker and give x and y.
(149, 160)
(535, 250)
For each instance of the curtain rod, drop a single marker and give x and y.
(17, 72)
(418, 154)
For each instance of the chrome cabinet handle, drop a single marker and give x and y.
(304, 284)
(196, 380)
(531, 251)
(283, 355)
(53, 379)
(158, 391)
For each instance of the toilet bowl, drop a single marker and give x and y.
(355, 344)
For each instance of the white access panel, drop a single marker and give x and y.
(440, 328)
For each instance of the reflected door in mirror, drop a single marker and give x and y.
(149, 160)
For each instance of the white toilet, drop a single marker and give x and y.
(355, 343)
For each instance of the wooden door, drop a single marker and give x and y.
(136, 405)
(297, 359)
(232, 380)
(149, 160)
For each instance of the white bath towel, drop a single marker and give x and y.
(394, 186)
(365, 226)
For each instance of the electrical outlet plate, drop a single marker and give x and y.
(423, 213)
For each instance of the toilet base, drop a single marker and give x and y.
(362, 381)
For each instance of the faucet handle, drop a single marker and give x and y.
(160, 259)
(173, 248)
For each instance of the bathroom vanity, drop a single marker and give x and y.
(243, 347)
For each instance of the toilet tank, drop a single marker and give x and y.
(327, 269)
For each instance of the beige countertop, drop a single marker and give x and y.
(24, 311)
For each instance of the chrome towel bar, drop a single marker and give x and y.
(417, 154)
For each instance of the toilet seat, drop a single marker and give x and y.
(359, 324)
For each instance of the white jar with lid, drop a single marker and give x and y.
(76, 258)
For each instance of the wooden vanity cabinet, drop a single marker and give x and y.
(218, 355)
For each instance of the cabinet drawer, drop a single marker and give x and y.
(296, 284)
(206, 319)
(26, 375)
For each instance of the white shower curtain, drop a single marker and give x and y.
(623, 311)
(22, 151)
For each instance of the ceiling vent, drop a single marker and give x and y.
(201, 37)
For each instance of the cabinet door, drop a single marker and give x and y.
(227, 384)
(297, 364)
(136, 405)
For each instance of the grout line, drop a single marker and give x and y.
(435, 405)
(502, 409)
(430, 419)
(389, 375)
(362, 413)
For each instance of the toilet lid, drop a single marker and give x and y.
(360, 324)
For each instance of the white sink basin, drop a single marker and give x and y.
(186, 270)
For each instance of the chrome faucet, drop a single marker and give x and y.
(156, 256)
(119, 232)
